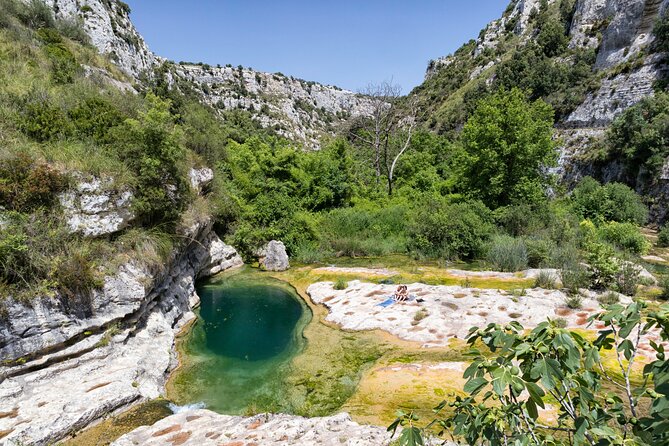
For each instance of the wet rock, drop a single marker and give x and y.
(204, 428)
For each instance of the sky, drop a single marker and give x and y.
(346, 43)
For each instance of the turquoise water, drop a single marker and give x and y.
(238, 353)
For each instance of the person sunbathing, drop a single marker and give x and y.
(402, 294)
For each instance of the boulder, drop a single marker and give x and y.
(273, 257)
(200, 178)
(95, 207)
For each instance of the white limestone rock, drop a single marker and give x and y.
(95, 208)
(206, 428)
(111, 31)
(273, 257)
(200, 178)
(449, 311)
(297, 109)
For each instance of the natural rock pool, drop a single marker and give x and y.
(237, 355)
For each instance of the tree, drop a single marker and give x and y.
(508, 147)
(387, 131)
(153, 149)
(596, 406)
(405, 131)
(375, 131)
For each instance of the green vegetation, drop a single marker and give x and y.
(551, 364)
(663, 237)
(610, 202)
(507, 145)
(637, 139)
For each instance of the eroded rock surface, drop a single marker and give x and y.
(204, 428)
(95, 207)
(78, 366)
(446, 311)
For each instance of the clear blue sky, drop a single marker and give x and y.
(348, 43)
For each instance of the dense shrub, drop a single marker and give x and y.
(36, 14)
(152, 148)
(507, 254)
(625, 236)
(574, 276)
(451, 231)
(539, 251)
(604, 266)
(638, 138)
(663, 237)
(611, 202)
(38, 252)
(42, 120)
(545, 279)
(26, 185)
(96, 118)
(628, 277)
(664, 287)
(363, 231)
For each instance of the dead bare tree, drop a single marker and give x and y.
(378, 127)
(405, 130)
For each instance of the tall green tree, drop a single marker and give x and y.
(152, 146)
(508, 146)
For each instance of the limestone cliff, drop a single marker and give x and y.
(625, 69)
(67, 366)
(300, 110)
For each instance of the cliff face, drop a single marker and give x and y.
(300, 110)
(108, 24)
(64, 368)
(625, 70)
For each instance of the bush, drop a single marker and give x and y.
(308, 253)
(43, 121)
(539, 251)
(574, 301)
(73, 29)
(26, 185)
(574, 276)
(36, 14)
(611, 202)
(152, 148)
(604, 267)
(340, 284)
(546, 280)
(610, 298)
(360, 231)
(664, 286)
(625, 236)
(663, 237)
(96, 118)
(507, 254)
(627, 279)
(451, 230)
(64, 66)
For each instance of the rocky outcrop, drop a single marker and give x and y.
(200, 178)
(108, 24)
(95, 207)
(297, 109)
(302, 111)
(67, 364)
(273, 257)
(205, 428)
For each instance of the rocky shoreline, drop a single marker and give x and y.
(63, 371)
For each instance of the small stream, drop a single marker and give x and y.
(236, 356)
